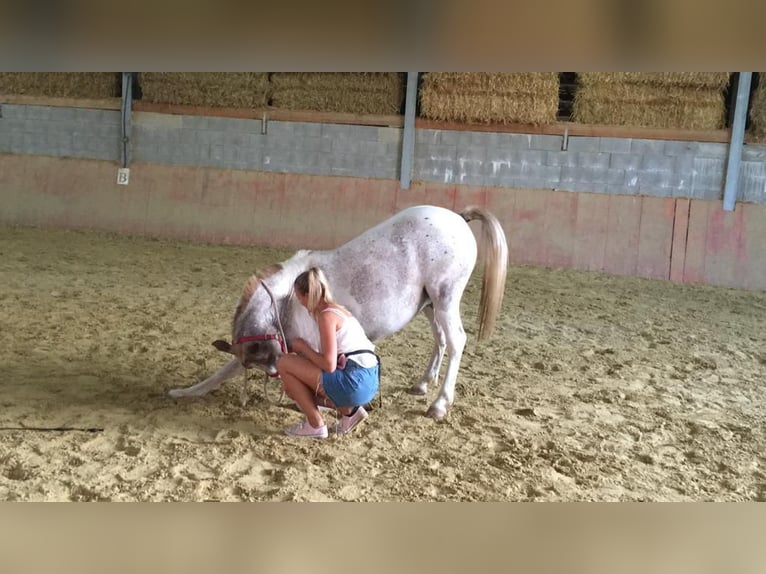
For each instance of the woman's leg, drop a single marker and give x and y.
(366, 381)
(301, 379)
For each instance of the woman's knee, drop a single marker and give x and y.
(283, 363)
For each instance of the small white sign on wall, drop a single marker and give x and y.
(123, 176)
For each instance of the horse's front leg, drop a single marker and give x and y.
(431, 375)
(229, 370)
(455, 335)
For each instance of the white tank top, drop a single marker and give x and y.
(351, 337)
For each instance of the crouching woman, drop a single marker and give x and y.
(343, 374)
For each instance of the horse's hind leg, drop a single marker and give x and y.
(440, 345)
(448, 318)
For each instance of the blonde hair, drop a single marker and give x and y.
(313, 284)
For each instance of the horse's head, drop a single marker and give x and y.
(257, 336)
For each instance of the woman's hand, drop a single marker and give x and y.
(299, 345)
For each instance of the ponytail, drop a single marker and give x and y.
(313, 284)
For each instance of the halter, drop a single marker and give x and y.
(269, 336)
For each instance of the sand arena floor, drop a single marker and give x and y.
(593, 388)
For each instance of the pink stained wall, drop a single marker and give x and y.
(664, 238)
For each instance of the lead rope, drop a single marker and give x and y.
(283, 340)
(276, 312)
(244, 394)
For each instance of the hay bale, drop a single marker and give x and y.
(213, 89)
(693, 101)
(357, 81)
(701, 113)
(527, 98)
(352, 92)
(648, 94)
(333, 101)
(522, 108)
(491, 83)
(758, 107)
(711, 80)
(82, 85)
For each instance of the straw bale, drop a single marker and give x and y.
(333, 101)
(649, 107)
(523, 108)
(83, 85)
(215, 89)
(358, 93)
(712, 80)
(651, 94)
(758, 107)
(528, 98)
(358, 81)
(492, 83)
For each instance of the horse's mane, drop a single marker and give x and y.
(251, 286)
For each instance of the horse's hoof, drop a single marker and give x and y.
(419, 389)
(435, 412)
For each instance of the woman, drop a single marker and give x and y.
(344, 373)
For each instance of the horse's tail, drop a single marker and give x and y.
(494, 255)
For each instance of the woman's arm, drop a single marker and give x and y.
(327, 358)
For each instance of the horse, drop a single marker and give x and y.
(420, 259)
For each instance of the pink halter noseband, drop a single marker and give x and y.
(267, 337)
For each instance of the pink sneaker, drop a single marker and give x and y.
(305, 429)
(347, 424)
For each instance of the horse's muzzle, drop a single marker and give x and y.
(270, 369)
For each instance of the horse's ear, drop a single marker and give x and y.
(222, 345)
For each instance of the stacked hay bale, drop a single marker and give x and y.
(758, 107)
(681, 100)
(350, 92)
(518, 97)
(81, 85)
(213, 89)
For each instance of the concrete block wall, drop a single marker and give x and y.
(286, 147)
(60, 132)
(618, 166)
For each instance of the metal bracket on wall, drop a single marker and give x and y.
(565, 140)
(126, 108)
(408, 138)
(264, 121)
(734, 161)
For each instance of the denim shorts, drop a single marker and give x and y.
(352, 386)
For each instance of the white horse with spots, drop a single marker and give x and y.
(418, 260)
